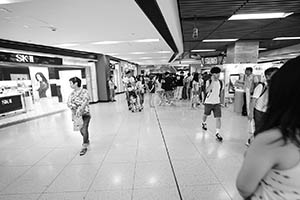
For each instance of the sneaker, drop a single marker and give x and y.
(219, 137)
(83, 151)
(204, 126)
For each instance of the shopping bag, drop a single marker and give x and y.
(77, 123)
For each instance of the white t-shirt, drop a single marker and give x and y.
(262, 100)
(213, 97)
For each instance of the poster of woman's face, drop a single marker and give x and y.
(40, 82)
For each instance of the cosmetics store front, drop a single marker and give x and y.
(33, 86)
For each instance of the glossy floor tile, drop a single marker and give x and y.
(160, 153)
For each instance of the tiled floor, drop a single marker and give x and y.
(128, 158)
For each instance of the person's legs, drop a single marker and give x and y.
(84, 130)
(207, 111)
(85, 133)
(113, 94)
(258, 119)
(218, 114)
(180, 92)
(244, 109)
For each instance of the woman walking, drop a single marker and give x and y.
(78, 102)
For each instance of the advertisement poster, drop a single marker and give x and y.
(40, 82)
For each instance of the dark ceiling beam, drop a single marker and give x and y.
(154, 14)
(8, 44)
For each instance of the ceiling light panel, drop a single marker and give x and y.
(202, 50)
(128, 41)
(259, 16)
(287, 38)
(220, 40)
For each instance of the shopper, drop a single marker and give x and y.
(195, 90)
(159, 90)
(129, 82)
(179, 86)
(168, 87)
(112, 88)
(271, 168)
(140, 89)
(213, 101)
(151, 90)
(78, 102)
(259, 101)
(248, 89)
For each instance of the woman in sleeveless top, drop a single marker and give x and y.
(271, 169)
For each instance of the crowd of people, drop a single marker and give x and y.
(271, 168)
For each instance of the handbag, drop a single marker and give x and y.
(77, 123)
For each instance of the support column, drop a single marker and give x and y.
(243, 52)
(102, 70)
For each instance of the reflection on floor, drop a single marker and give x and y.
(157, 154)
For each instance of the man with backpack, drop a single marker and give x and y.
(259, 101)
(213, 101)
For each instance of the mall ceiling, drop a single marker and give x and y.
(211, 19)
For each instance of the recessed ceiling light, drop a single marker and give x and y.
(108, 42)
(202, 50)
(259, 16)
(143, 58)
(129, 41)
(262, 49)
(66, 45)
(146, 40)
(164, 52)
(287, 38)
(220, 40)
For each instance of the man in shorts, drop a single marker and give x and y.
(212, 101)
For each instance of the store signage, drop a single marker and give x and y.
(10, 103)
(25, 58)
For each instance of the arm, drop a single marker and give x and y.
(86, 99)
(259, 159)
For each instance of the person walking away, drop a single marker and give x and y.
(259, 101)
(159, 89)
(140, 86)
(129, 82)
(151, 89)
(271, 167)
(78, 102)
(189, 86)
(168, 88)
(112, 88)
(195, 90)
(213, 101)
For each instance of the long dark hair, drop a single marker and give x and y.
(42, 76)
(283, 109)
(196, 77)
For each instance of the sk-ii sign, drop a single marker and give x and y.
(24, 58)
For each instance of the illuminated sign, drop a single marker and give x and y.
(10, 103)
(24, 58)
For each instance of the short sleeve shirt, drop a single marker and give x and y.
(213, 97)
(77, 98)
